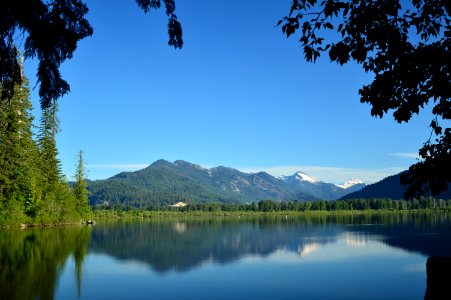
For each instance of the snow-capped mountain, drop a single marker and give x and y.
(350, 182)
(163, 182)
(302, 182)
(299, 176)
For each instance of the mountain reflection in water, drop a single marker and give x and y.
(31, 260)
(165, 247)
(182, 245)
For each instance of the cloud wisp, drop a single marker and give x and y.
(129, 167)
(405, 155)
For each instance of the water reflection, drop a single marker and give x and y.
(32, 260)
(427, 234)
(356, 240)
(183, 245)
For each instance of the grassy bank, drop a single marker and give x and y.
(103, 213)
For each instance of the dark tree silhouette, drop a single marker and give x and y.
(407, 47)
(51, 30)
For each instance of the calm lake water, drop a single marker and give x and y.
(370, 257)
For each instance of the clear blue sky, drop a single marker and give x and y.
(238, 94)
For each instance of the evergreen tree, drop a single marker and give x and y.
(58, 201)
(80, 191)
(17, 153)
(32, 187)
(50, 165)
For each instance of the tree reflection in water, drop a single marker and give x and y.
(32, 259)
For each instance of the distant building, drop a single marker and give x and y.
(179, 204)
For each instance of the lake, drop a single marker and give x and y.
(273, 257)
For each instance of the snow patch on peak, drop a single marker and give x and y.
(305, 177)
(299, 176)
(350, 182)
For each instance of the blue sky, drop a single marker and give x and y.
(238, 94)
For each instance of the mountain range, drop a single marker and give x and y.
(164, 182)
(301, 181)
(388, 187)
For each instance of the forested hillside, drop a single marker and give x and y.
(164, 183)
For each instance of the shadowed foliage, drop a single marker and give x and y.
(406, 45)
(51, 31)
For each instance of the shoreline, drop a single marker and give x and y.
(100, 215)
(106, 214)
(47, 225)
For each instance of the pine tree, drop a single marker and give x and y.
(32, 187)
(80, 191)
(58, 202)
(49, 163)
(17, 152)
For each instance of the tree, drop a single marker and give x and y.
(52, 30)
(49, 163)
(17, 150)
(32, 188)
(80, 191)
(266, 205)
(407, 49)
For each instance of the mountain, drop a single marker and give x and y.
(389, 187)
(164, 183)
(299, 177)
(351, 182)
(239, 186)
(352, 185)
(301, 181)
